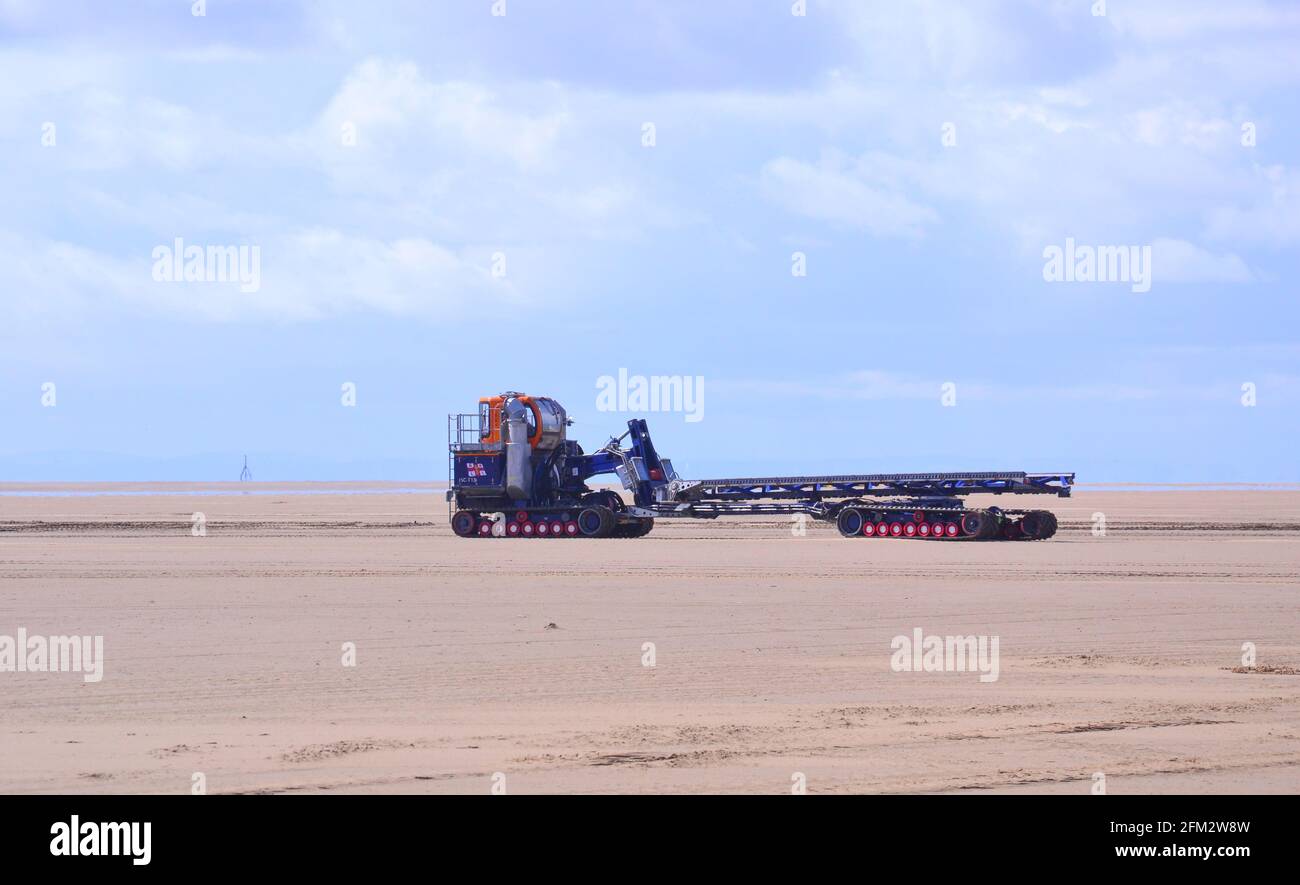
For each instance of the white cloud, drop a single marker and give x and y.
(307, 274)
(929, 39)
(1178, 261)
(1272, 215)
(40, 276)
(530, 163)
(324, 272)
(1175, 21)
(1115, 128)
(392, 103)
(445, 172)
(405, 222)
(860, 195)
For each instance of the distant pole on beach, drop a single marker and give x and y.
(245, 474)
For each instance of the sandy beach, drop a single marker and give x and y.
(523, 662)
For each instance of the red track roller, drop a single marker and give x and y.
(909, 530)
(485, 529)
(543, 528)
(951, 529)
(512, 529)
(936, 529)
(923, 529)
(527, 529)
(895, 529)
(868, 529)
(571, 529)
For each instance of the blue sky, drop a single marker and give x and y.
(522, 137)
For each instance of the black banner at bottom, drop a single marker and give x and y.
(333, 834)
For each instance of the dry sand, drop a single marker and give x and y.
(223, 652)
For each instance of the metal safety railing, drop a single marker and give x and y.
(465, 431)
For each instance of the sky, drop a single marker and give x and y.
(837, 222)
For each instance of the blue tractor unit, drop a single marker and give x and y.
(514, 473)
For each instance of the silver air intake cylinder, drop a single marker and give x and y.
(519, 467)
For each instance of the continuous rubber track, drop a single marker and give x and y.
(946, 524)
(594, 521)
